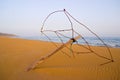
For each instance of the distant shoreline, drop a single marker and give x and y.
(6, 34)
(111, 42)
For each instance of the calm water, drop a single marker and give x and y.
(110, 41)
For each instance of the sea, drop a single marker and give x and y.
(109, 41)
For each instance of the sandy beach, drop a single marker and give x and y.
(16, 55)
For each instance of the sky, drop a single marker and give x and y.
(25, 17)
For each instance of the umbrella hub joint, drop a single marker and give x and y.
(73, 39)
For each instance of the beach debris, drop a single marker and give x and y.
(72, 39)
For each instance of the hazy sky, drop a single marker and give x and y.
(25, 17)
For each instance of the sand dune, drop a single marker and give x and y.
(17, 54)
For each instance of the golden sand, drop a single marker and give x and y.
(16, 55)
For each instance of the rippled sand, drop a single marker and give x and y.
(16, 55)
